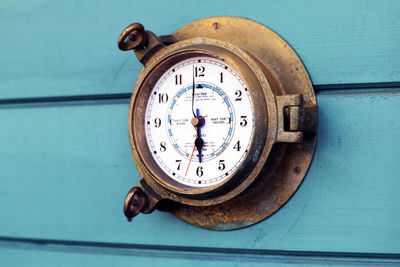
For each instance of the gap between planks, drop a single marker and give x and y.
(117, 98)
(185, 252)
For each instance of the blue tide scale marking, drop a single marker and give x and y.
(227, 103)
(170, 133)
(224, 145)
(169, 118)
(230, 131)
(173, 104)
(176, 145)
(182, 92)
(206, 85)
(218, 91)
(231, 116)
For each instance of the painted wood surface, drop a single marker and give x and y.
(53, 48)
(65, 166)
(65, 169)
(27, 254)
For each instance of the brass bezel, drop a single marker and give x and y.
(260, 94)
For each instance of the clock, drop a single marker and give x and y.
(198, 129)
(222, 122)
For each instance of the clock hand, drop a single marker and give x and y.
(194, 86)
(197, 123)
(199, 145)
(191, 156)
(199, 142)
(197, 120)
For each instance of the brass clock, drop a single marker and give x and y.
(222, 122)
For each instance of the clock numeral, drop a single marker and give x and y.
(221, 165)
(237, 146)
(199, 171)
(163, 146)
(179, 161)
(178, 79)
(238, 94)
(244, 121)
(162, 98)
(157, 122)
(199, 71)
(221, 76)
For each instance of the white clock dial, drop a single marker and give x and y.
(221, 103)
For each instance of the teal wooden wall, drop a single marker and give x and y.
(66, 164)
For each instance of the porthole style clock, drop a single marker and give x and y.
(222, 122)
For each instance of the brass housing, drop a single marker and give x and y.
(263, 106)
(283, 140)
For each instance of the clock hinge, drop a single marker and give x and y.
(144, 43)
(295, 118)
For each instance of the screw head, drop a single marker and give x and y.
(216, 25)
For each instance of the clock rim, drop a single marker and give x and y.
(233, 57)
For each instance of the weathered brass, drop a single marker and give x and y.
(135, 202)
(283, 142)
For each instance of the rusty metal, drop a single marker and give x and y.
(135, 202)
(293, 104)
(168, 39)
(286, 123)
(132, 37)
(143, 43)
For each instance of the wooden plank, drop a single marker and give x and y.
(28, 254)
(52, 48)
(65, 170)
(53, 258)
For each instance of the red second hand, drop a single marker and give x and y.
(194, 147)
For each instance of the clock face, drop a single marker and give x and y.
(199, 122)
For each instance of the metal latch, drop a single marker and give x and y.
(294, 118)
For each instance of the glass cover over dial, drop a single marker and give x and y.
(199, 121)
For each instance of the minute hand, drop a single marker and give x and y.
(194, 86)
(199, 141)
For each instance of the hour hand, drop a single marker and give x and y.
(199, 145)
